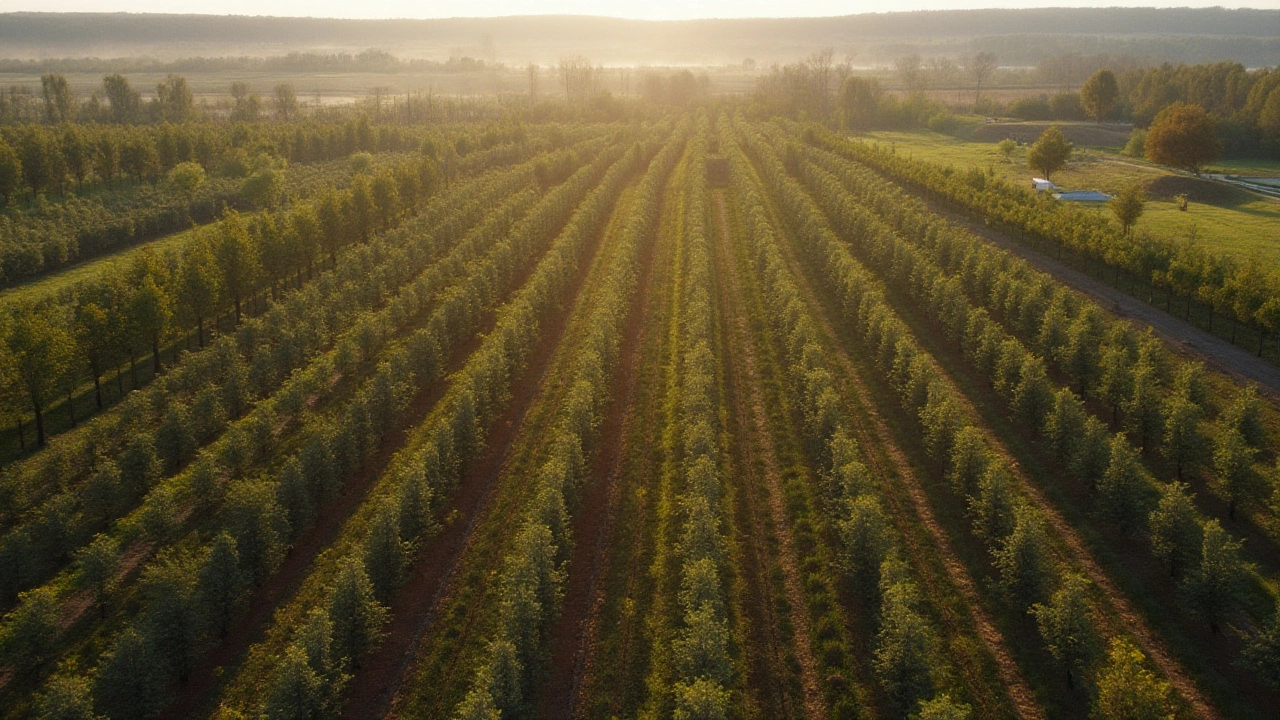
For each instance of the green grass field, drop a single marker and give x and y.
(1237, 221)
(1250, 167)
(50, 285)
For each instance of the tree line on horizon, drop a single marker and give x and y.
(1243, 104)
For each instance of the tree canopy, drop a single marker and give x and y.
(1050, 153)
(1183, 136)
(1099, 94)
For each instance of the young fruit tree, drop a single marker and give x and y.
(1050, 153)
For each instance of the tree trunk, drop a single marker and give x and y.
(237, 311)
(22, 436)
(39, 425)
(71, 407)
(155, 355)
(200, 331)
(97, 390)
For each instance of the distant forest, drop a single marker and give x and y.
(1018, 37)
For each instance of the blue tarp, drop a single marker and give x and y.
(1083, 196)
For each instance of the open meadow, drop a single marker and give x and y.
(1240, 222)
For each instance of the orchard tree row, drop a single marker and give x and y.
(96, 189)
(332, 439)
(1211, 578)
(110, 321)
(1165, 401)
(436, 453)
(695, 667)
(1029, 573)
(532, 573)
(272, 344)
(1242, 291)
(909, 662)
(158, 463)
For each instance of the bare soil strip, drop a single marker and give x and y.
(1133, 621)
(749, 409)
(639, 476)
(1151, 644)
(874, 435)
(436, 577)
(593, 521)
(195, 696)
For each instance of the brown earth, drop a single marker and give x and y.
(1198, 190)
(557, 695)
(251, 625)
(375, 690)
(749, 413)
(1084, 134)
(888, 460)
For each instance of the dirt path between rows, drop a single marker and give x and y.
(1076, 546)
(749, 409)
(375, 690)
(873, 433)
(1181, 335)
(76, 608)
(557, 695)
(655, 359)
(1079, 552)
(195, 695)
(875, 437)
(751, 536)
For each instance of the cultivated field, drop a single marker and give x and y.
(700, 416)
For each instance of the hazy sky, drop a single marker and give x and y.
(645, 9)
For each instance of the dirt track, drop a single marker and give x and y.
(887, 459)
(593, 521)
(252, 623)
(375, 690)
(750, 414)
